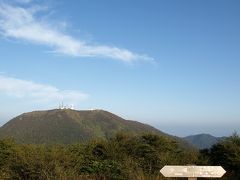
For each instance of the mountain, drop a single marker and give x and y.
(203, 141)
(66, 126)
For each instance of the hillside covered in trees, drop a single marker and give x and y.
(203, 141)
(66, 126)
(121, 157)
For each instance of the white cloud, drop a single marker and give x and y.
(38, 92)
(24, 24)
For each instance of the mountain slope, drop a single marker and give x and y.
(202, 141)
(69, 126)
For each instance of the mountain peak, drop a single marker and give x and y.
(203, 141)
(69, 126)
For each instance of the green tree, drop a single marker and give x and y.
(7, 150)
(227, 154)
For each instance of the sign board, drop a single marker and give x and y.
(193, 171)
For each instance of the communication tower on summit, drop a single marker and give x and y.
(62, 106)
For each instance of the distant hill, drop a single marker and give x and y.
(69, 126)
(202, 141)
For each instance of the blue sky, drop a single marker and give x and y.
(169, 63)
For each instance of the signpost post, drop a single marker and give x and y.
(193, 172)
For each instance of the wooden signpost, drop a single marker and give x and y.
(193, 172)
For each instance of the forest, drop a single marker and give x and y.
(124, 156)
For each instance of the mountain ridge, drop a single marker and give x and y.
(203, 140)
(67, 126)
(70, 126)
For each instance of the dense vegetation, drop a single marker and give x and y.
(226, 154)
(121, 157)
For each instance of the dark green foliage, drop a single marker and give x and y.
(126, 156)
(226, 154)
(6, 150)
(121, 157)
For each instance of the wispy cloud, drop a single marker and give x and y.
(26, 24)
(24, 89)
